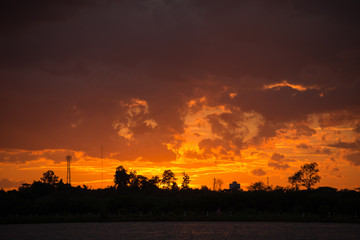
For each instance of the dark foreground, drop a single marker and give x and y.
(44, 203)
(181, 230)
(186, 216)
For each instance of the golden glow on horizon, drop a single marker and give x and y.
(276, 158)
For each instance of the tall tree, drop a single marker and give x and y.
(217, 184)
(154, 182)
(134, 180)
(307, 176)
(185, 181)
(295, 180)
(168, 179)
(121, 178)
(49, 177)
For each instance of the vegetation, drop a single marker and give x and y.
(307, 176)
(134, 196)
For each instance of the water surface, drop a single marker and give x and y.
(180, 230)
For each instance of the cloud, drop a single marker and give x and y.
(134, 120)
(304, 130)
(346, 145)
(278, 166)
(353, 157)
(218, 149)
(357, 128)
(23, 156)
(303, 146)
(323, 151)
(351, 150)
(340, 117)
(126, 74)
(8, 184)
(278, 157)
(284, 83)
(279, 161)
(258, 172)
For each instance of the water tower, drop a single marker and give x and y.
(68, 174)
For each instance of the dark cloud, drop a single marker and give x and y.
(304, 146)
(279, 161)
(65, 69)
(357, 128)
(348, 117)
(353, 157)
(22, 156)
(258, 172)
(8, 184)
(277, 157)
(218, 148)
(351, 150)
(323, 151)
(278, 166)
(346, 145)
(303, 130)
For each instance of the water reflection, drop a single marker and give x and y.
(181, 230)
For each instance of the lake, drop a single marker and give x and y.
(180, 230)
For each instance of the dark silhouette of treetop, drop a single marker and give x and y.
(168, 179)
(138, 198)
(186, 181)
(307, 176)
(258, 186)
(121, 178)
(295, 180)
(49, 177)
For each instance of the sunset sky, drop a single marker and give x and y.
(237, 90)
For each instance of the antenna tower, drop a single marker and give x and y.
(102, 166)
(68, 174)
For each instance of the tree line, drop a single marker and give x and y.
(133, 194)
(124, 180)
(306, 177)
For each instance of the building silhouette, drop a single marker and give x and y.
(234, 186)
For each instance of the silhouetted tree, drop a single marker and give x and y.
(279, 189)
(295, 180)
(217, 184)
(154, 182)
(121, 178)
(49, 177)
(258, 186)
(168, 178)
(174, 186)
(134, 180)
(186, 181)
(307, 176)
(24, 186)
(139, 181)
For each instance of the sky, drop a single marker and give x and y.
(236, 90)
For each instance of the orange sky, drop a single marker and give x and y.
(237, 90)
(277, 157)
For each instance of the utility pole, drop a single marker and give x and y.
(68, 173)
(102, 166)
